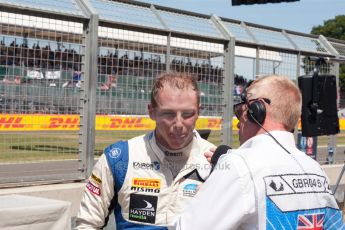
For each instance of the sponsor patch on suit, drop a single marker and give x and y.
(143, 208)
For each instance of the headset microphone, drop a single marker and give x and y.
(220, 150)
(258, 123)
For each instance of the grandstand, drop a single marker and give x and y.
(51, 72)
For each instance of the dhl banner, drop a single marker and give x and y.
(45, 122)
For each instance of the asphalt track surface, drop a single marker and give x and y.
(339, 156)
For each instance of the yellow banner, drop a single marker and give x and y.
(45, 122)
(113, 122)
(38, 122)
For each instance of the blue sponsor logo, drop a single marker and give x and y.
(115, 152)
(190, 190)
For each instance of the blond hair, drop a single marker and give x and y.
(285, 97)
(176, 80)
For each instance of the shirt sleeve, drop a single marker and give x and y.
(225, 201)
(98, 193)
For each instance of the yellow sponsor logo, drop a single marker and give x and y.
(146, 183)
(96, 179)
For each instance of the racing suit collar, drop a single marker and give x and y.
(196, 161)
(158, 150)
(179, 154)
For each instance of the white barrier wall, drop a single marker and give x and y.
(71, 192)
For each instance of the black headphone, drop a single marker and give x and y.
(257, 112)
(256, 108)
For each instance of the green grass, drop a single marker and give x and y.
(42, 146)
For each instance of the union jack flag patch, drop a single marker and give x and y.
(310, 221)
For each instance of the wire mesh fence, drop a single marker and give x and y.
(40, 71)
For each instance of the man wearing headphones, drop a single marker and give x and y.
(267, 182)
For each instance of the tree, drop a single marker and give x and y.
(334, 28)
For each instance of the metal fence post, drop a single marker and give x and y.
(228, 83)
(88, 91)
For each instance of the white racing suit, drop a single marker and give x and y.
(134, 176)
(262, 186)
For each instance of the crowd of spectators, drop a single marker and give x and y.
(38, 57)
(60, 58)
(151, 67)
(42, 62)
